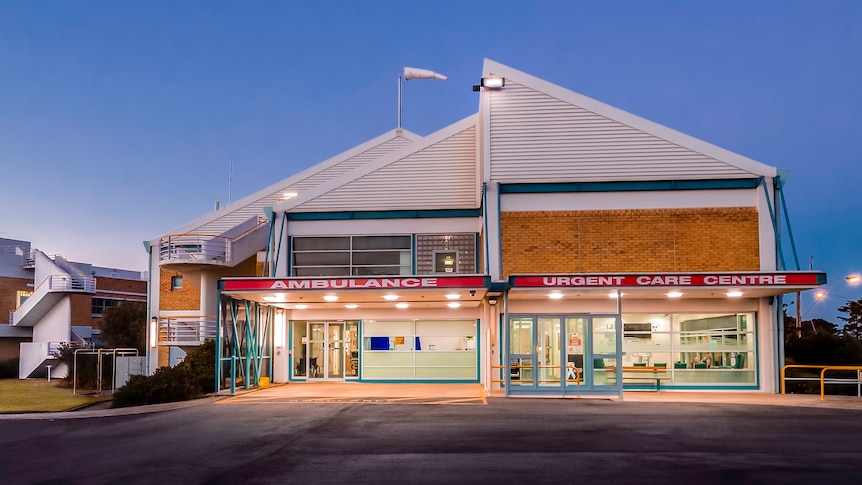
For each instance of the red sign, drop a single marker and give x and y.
(416, 282)
(670, 280)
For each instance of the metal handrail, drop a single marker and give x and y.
(56, 283)
(577, 378)
(202, 247)
(822, 378)
(187, 329)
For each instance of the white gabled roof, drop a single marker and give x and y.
(230, 216)
(440, 171)
(541, 132)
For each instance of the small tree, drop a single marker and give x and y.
(853, 320)
(125, 326)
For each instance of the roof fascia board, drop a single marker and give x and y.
(629, 186)
(368, 168)
(285, 183)
(687, 141)
(393, 214)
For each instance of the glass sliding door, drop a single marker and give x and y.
(521, 352)
(575, 335)
(549, 353)
(605, 352)
(563, 354)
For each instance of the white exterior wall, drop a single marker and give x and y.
(56, 325)
(676, 199)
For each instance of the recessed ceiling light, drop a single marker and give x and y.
(615, 294)
(301, 306)
(351, 305)
(674, 294)
(453, 304)
(453, 296)
(401, 305)
(390, 297)
(330, 298)
(555, 295)
(734, 293)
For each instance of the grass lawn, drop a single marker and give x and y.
(39, 395)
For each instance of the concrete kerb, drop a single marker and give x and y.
(107, 412)
(699, 398)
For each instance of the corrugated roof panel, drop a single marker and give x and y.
(255, 208)
(538, 138)
(440, 176)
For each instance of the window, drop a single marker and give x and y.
(176, 282)
(21, 297)
(352, 256)
(419, 349)
(99, 305)
(445, 261)
(701, 348)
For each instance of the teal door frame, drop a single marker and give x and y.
(526, 375)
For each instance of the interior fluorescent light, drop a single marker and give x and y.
(734, 293)
(615, 294)
(351, 305)
(301, 306)
(555, 295)
(390, 297)
(674, 294)
(330, 298)
(453, 304)
(453, 296)
(401, 305)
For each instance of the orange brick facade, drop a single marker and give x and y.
(188, 298)
(9, 288)
(622, 241)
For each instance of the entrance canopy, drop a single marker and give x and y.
(665, 285)
(432, 291)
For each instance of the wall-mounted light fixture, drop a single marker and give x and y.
(279, 329)
(490, 82)
(154, 331)
(492, 301)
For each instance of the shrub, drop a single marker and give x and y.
(9, 369)
(189, 379)
(201, 361)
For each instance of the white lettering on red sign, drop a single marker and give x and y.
(663, 280)
(742, 280)
(582, 280)
(345, 283)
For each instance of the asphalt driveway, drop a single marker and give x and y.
(507, 440)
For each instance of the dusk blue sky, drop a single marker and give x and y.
(118, 119)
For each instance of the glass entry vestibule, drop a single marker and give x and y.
(325, 350)
(563, 354)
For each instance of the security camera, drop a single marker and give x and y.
(472, 292)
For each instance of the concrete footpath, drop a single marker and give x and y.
(438, 394)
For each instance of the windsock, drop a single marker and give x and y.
(413, 73)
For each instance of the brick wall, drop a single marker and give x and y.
(620, 241)
(186, 298)
(9, 288)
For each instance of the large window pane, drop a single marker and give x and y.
(377, 258)
(381, 242)
(322, 271)
(321, 243)
(352, 256)
(321, 259)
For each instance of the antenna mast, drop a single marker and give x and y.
(229, 182)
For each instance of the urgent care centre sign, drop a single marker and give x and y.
(670, 280)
